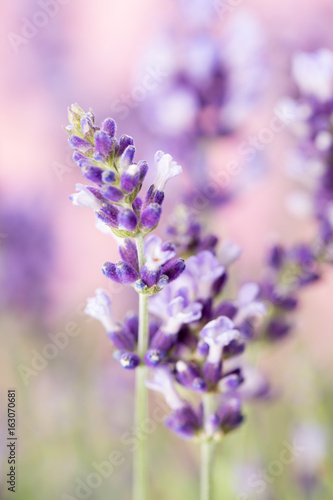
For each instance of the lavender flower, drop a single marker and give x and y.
(160, 266)
(203, 94)
(124, 336)
(184, 420)
(27, 259)
(312, 163)
(217, 334)
(109, 164)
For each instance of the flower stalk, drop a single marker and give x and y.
(207, 454)
(140, 459)
(206, 470)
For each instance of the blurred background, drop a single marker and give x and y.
(171, 73)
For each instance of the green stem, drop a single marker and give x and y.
(206, 472)
(207, 456)
(140, 463)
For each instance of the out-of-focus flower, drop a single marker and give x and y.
(27, 260)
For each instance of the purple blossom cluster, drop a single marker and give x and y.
(196, 337)
(109, 164)
(289, 270)
(312, 165)
(160, 268)
(203, 94)
(27, 257)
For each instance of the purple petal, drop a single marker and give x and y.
(127, 219)
(103, 143)
(124, 142)
(173, 268)
(129, 253)
(109, 126)
(76, 142)
(112, 194)
(151, 216)
(121, 272)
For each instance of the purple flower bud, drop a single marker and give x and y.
(208, 243)
(229, 414)
(122, 338)
(80, 159)
(109, 215)
(151, 216)
(276, 257)
(231, 381)
(120, 273)
(112, 193)
(93, 174)
(127, 157)
(154, 196)
(128, 360)
(130, 178)
(109, 126)
(108, 177)
(129, 253)
(212, 371)
(143, 169)
(132, 322)
(226, 308)
(277, 329)
(137, 204)
(173, 268)
(76, 142)
(87, 125)
(153, 327)
(154, 357)
(219, 283)
(127, 219)
(184, 421)
(96, 192)
(235, 348)
(188, 375)
(303, 255)
(164, 341)
(150, 277)
(103, 143)
(124, 142)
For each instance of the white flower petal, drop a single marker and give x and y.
(167, 168)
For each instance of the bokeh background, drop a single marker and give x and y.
(74, 409)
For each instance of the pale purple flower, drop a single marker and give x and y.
(85, 198)
(157, 253)
(218, 333)
(99, 307)
(249, 305)
(203, 270)
(174, 307)
(228, 253)
(313, 73)
(166, 168)
(162, 382)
